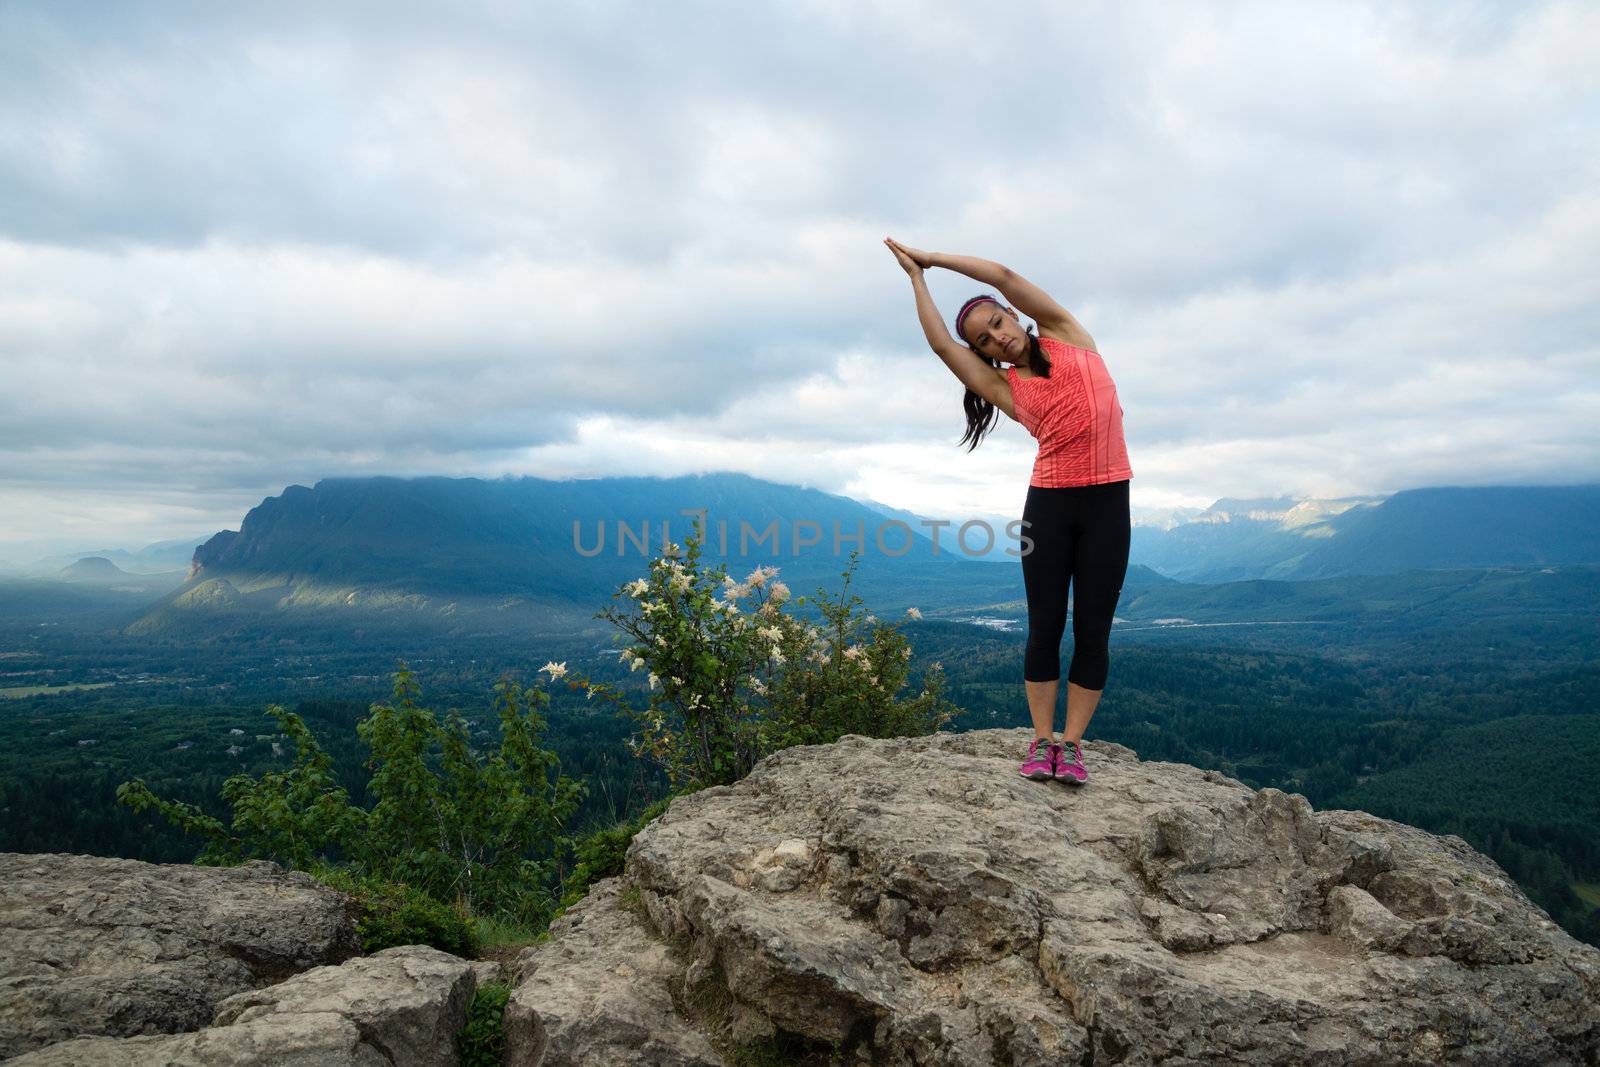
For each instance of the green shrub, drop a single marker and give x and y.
(600, 854)
(482, 831)
(496, 933)
(391, 913)
(483, 1039)
(291, 816)
(727, 687)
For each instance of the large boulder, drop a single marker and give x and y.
(95, 946)
(915, 901)
(399, 1006)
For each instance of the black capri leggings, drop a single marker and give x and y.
(1080, 535)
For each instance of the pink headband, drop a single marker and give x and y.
(968, 306)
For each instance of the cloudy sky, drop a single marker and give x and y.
(1324, 249)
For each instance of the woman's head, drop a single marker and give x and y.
(995, 333)
(993, 330)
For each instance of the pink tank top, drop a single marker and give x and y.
(1076, 417)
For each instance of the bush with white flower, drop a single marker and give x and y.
(733, 677)
(846, 678)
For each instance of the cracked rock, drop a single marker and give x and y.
(915, 901)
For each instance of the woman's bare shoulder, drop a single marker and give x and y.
(1069, 334)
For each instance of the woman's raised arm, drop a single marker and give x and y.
(1018, 291)
(972, 369)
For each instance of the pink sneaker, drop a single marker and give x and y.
(1041, 761)
(1069, 766)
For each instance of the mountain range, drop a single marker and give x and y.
(472, 554)
(477, 553)
(1416, 529)
(158, 558)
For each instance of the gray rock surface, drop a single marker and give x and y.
(600, 993)
(398, 1006)
(487, 971)
(321, 1040)
(917, 902)
(90, 945)
(408, 1002)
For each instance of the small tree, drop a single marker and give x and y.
(292, 816)
(485, 830)
(480, 831)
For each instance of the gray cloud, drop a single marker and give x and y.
(1323, 247)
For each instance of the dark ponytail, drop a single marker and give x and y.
(980, 413)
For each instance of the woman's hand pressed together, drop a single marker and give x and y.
(903, 254)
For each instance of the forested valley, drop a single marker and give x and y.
(1443, 733)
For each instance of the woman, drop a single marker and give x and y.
(1076, 513)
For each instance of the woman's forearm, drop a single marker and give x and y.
(984, 270)
(928, 314)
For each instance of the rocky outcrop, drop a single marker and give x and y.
(401, 1006)
(914, 901)
(95, 946)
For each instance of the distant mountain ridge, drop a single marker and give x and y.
(161, 557)
(92, 569)
(490, 552)
(1464, 527)
(473, 553)
(1415, 529)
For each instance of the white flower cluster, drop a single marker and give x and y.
(914, 613)
(556, 669)
(680, 578)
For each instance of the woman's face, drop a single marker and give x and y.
(997, 333)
